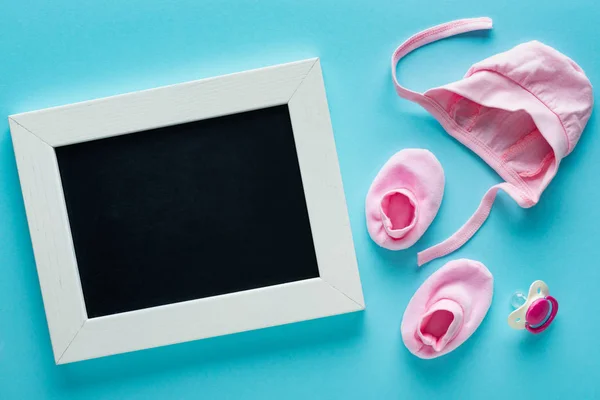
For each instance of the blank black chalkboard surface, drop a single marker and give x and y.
(187, 211)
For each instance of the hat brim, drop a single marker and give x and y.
(493, 90)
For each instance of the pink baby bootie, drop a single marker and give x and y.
(447, 308)
(404, 198)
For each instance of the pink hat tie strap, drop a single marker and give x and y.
(467, 231)
(431, 35)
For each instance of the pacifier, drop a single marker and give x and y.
(534, 312)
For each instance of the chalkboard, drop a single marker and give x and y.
(187, 211)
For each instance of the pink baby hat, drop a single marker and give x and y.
(404, 198)
(447, 308)
(521, 111)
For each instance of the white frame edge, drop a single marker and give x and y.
(74, 336)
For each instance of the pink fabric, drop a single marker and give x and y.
(404, 198)
(447, 308)
(521, 111)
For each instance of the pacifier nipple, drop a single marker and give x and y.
(518, 299)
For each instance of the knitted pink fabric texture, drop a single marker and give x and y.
(447, 308)
(521, 111)
(404, 198)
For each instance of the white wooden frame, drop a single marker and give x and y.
(77, 337)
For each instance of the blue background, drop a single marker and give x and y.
(62, 51)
